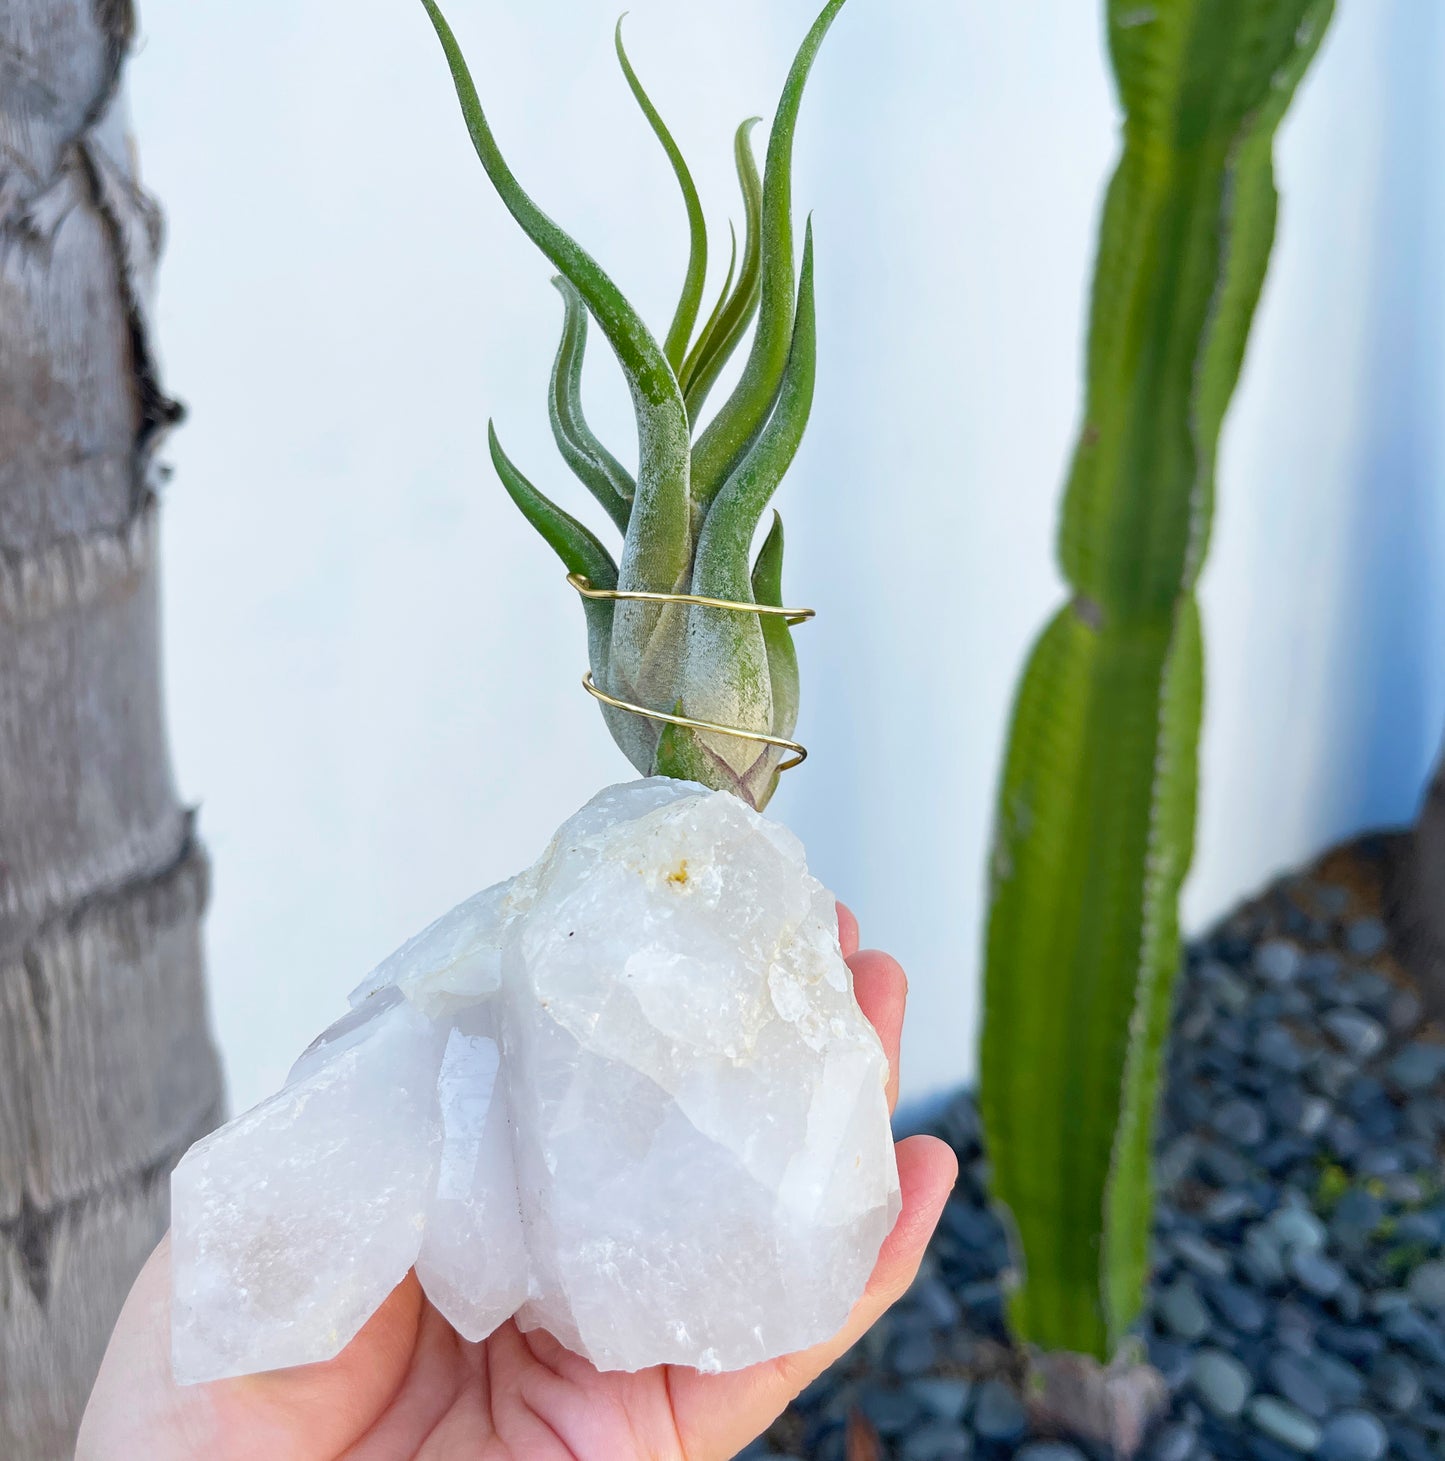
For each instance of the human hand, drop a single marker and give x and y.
(409, 1388)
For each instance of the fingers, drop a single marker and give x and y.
(718, 1414)
(927, 1170)
(881, 988)
(335, 1402)
(134, 1385)
(138, 1409)
(847, 930)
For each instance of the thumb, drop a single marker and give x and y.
(717, 1415)
(305, 1414)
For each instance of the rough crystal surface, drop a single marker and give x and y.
(627, 1097)
(295, 1221)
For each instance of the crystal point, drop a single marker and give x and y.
(627, 1097)
(294, 1222)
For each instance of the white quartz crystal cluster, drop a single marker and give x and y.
(627, 1097)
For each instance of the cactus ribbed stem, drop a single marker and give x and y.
(1095, 826)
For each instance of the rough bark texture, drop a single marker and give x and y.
(107, 1071)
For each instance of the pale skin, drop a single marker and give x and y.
(409, 1388)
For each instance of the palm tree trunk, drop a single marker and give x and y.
(107, 1071)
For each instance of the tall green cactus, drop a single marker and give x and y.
(1095, 822)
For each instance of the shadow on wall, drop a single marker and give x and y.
(1391, 591)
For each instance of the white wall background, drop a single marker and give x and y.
(373, 662)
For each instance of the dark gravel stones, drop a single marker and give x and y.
(1354, 1435)
(998, 1414)
(1298, 1309)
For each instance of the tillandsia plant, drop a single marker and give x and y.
(1095, 821)
(689, 517)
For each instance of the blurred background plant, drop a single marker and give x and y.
(1095, 825)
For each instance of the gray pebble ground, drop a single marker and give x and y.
(1298, 1308)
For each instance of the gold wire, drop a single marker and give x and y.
(585, 587)
(800, 752)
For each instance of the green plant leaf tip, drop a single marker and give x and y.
(688, 514)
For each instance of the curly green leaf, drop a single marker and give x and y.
(760, 693)
(727, 534)
(710, 326)
(570, 540)
(685, 317)
(767, 587)
(738, 422)
(658, 546)
(595, 467)
(717, 344)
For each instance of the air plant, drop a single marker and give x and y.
(689, 517)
